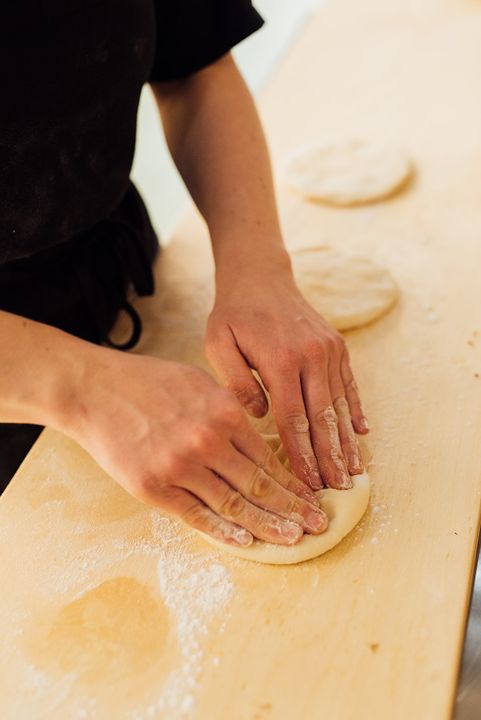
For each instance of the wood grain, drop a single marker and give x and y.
(374, 628)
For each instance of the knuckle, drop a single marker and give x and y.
(341, 406)
(232, 505)
(287, 359)
(326, 416)
(337, 402)
(297, 422)
(320, 349)
(260, 483)
(351, 386)
(171, 465)
(332, 346)
(203, 439)
(228, 411)
(194, 515)
(292, 507)
(335, 344)
(316, 349)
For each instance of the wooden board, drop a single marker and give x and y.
(112, 611)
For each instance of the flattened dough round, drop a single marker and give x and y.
(348, 290)
(344, 508)
(348, 172)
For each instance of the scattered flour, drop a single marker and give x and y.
(195, 593)
(194, 586)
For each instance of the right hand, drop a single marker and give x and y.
(173, 438)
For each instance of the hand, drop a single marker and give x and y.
(261, 321)
(172, 437)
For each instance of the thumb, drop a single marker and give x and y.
(226, 358)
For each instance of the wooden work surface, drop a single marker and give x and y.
(111, 611)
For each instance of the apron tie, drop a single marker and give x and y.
(120, 260)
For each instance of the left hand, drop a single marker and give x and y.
(260, 321)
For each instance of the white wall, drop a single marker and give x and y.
(153, 171)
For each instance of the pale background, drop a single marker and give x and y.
(153, 171)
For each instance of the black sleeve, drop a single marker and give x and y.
(194, 33)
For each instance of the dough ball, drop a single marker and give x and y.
(349, 290)
(347, 173)
(344, 508)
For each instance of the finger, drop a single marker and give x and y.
(324, 427)
(192, 511)
(347, 436)
(248, 442)
(233, 507)
(261, 490)
(359, 420)
(293, 425)
(234, 373)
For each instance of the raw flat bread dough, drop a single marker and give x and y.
(348, 290)
(344, 508)
(348, 172)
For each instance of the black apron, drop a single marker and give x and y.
(80, 286)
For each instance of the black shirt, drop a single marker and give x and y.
(74, 233)
(71, 72)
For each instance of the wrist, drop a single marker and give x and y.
(66, 402)
(41, 369)
(251, 261)
(55, 393)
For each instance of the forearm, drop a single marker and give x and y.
(41, 370)
(216, 139)
(260, 319)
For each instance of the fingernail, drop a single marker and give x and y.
(356, 462)
(257, 407)
(363, 423)
(315, 480)
(316, 520)
(344, 482)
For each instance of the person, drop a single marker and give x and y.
(75, 240)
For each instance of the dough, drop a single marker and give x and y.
(347, 172)
(344, 508)
(348, 290)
